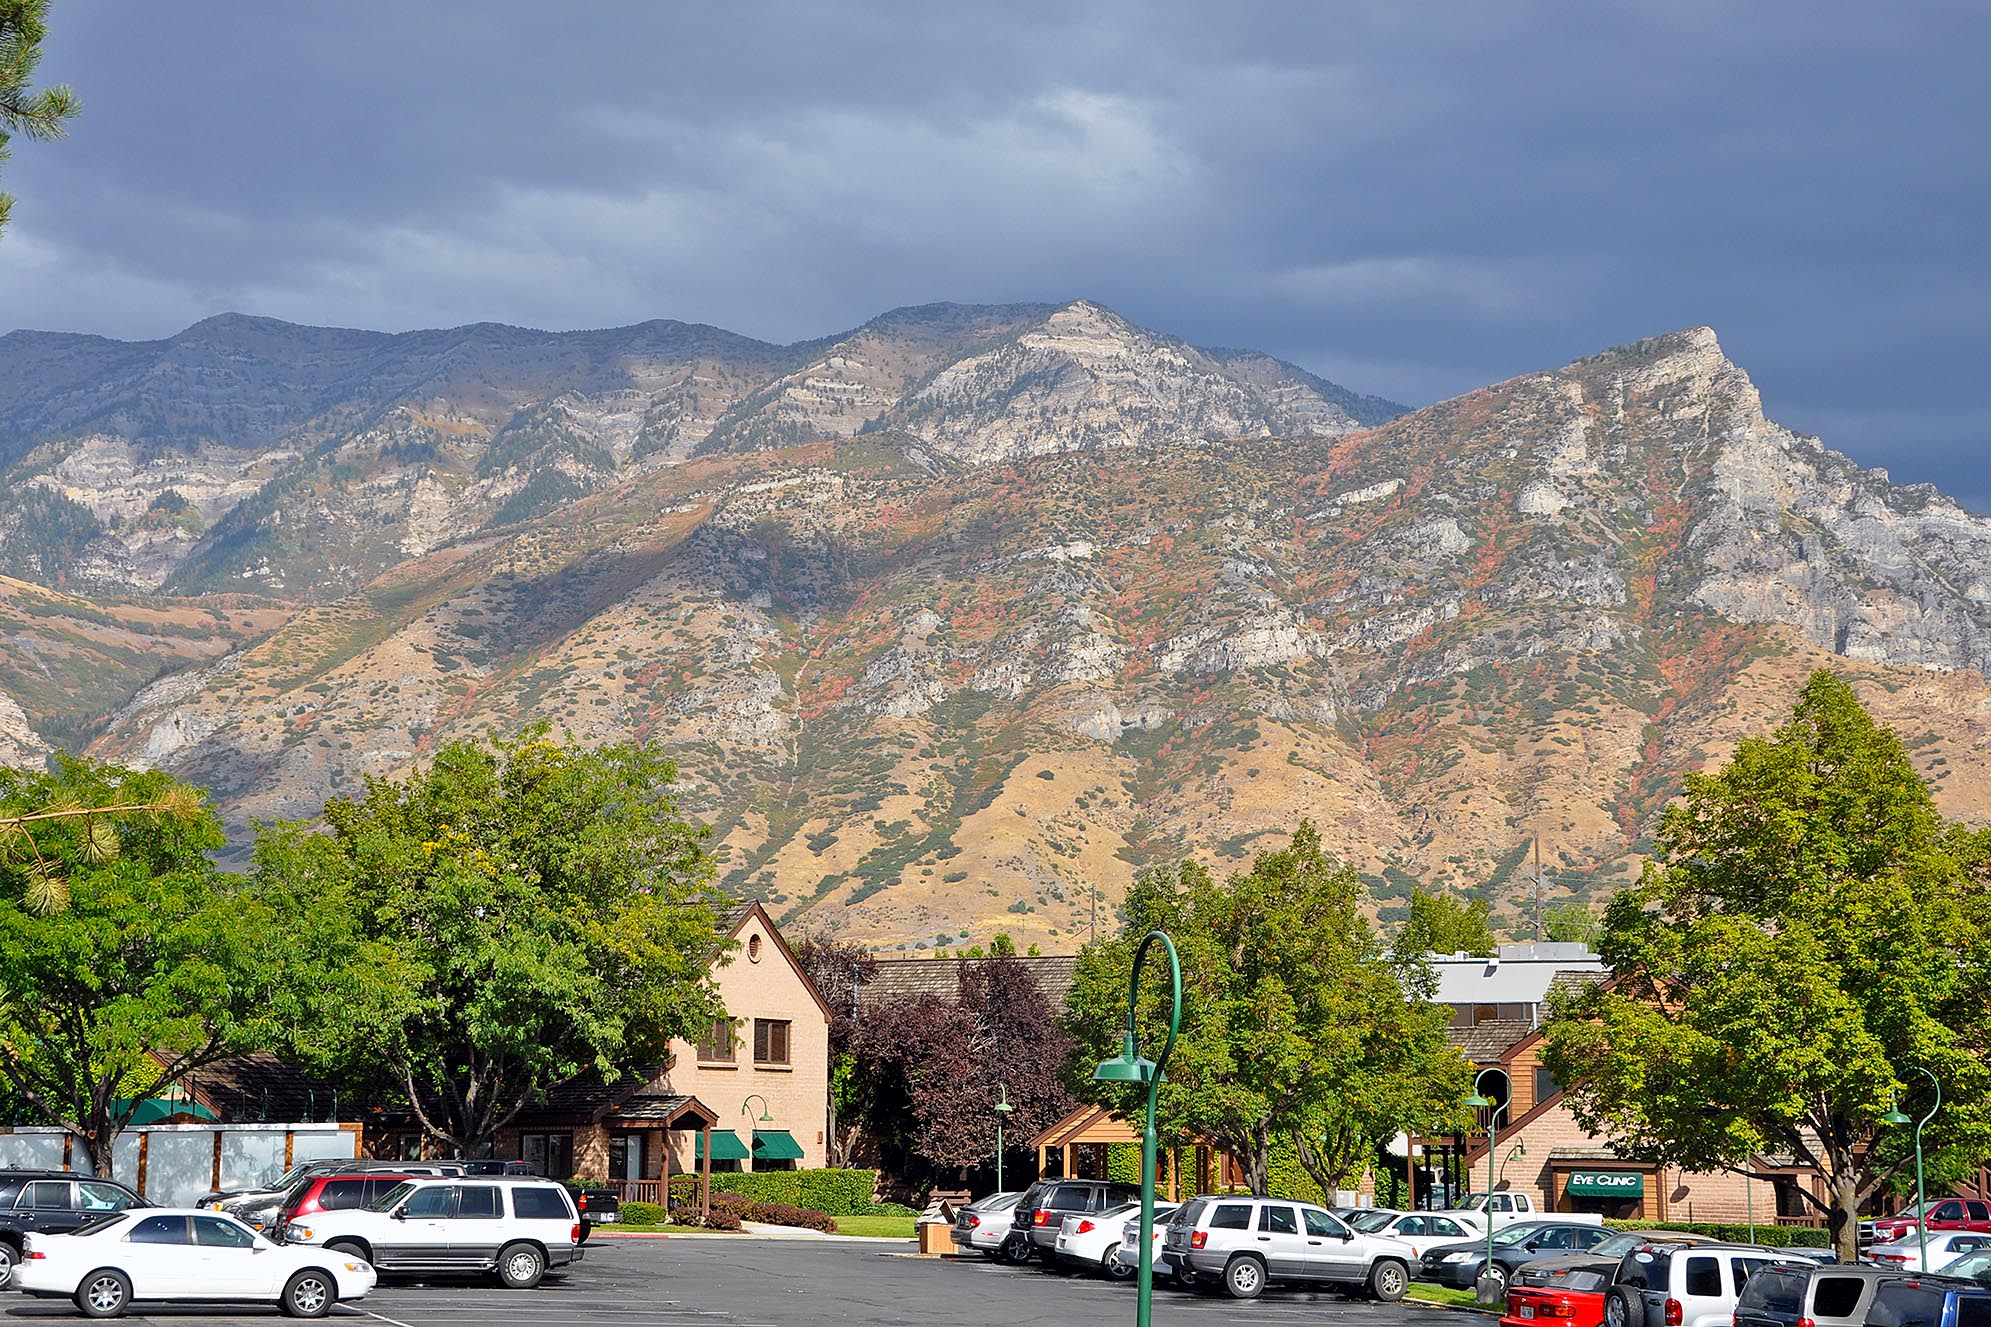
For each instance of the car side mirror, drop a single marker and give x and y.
(1347, 1235)
(1531, 1246)
(400, 1214)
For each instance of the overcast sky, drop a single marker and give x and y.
(1410, 200)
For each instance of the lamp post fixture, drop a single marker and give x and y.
(1002, 1110)
(1488, 1281)
(1896, 1118)
(1131, 1067)
(1518, 1150)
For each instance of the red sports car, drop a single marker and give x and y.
(1576, 1299)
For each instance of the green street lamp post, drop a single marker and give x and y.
(1484, 1289)
(1131, 1067)
(1896, 1118)
(1002, 1110)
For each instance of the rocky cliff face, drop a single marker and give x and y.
(923, 698)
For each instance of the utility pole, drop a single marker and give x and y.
(1539, 886)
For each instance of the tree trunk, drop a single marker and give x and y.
(1843, 1221)
(101, 1143)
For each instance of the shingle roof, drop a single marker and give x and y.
(894, 979)
(1486, 1042)
(587, 1093)
(259, 1086)
(666, 1110)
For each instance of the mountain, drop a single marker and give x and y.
(951, 665)
(249, 454)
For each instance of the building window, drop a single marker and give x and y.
(771, 1040)
(403, 1147)
(1485, 1013)
(548, 1154)
(1545, 1085)
(716, 1046)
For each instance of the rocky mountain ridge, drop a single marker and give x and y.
(247, 454)
(923, 695)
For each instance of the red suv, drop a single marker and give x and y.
(336, 1192)
(1944, 1214)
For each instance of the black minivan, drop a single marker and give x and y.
(1044, 1206)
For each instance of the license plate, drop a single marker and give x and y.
(1527, 1310)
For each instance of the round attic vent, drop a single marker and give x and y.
(753, 949)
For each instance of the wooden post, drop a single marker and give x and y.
(144, 1155)
(289, 1147)
(1410, 1169)
(217, 1160)
(705, 1175)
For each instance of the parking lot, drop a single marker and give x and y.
(781, 1283)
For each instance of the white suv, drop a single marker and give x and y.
(516, 1228)
(1249, 1241)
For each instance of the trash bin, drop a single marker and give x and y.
(934, 1237)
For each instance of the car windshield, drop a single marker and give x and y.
(391, 1197)
(1370, 1222)
(1586, 1281)
(1971, 1267)
(1617, 1246)
(1516, 1234)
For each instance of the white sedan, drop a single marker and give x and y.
(1093, 1241)
(1422, 1231)
(174, 1254)
(1945, 1247)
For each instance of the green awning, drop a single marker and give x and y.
(726, 1146)
(152, 1110)
(776, 1145)
(1605, 1184)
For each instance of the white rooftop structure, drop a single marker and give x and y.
(1513, 975)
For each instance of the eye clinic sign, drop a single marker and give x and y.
(1605, 1184)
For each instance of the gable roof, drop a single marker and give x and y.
(259, 1086)
(1488, 1041)
(731, 921)
(895, 979)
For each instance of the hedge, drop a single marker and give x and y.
(835, 1192)
(644, 1214)
(1737, 1232)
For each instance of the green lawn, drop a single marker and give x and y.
(1431, 1294)
(877, 1227)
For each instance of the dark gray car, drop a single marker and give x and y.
(1044, 1206)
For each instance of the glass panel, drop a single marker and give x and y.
(160, 1230)
(435, 1200)
(101, 1197)
(1320, 1226)
(1973, 1311)
(1231, 1216)
(216, 1233)
(1703, 1277)
(1835, 1297)
(478, 1201)
(538, 1202)
(1277, 1220)
(48, 1196)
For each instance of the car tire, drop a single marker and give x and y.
(1622, 1308)
(7, 1258)
(1244, 1277)
(1499, 1277)
(350, 1249)
(1389, 1280)
(104, 1293)
(587, 1229)
(520, 1266)
(1113, 1269)
(1016, 1250)
(310, 1294)
(1185, 1277)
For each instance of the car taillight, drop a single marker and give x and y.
(1807, 1322)
(1674, 1317)
(33, 1255)
(1199, 1238)
(974, 1221)
(575, 1233)
(1084, 1228)
(1889, 1257)
(1040, 1217)
(1556, 1311)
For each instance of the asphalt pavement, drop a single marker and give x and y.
(746, 1282)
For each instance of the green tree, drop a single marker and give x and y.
(152, 971)
(39, 115)
(1570, 921)
(1298, 1025)
(1810, 928)
(504, 919)
(1442, 924)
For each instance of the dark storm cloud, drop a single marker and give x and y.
(1411, 199)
